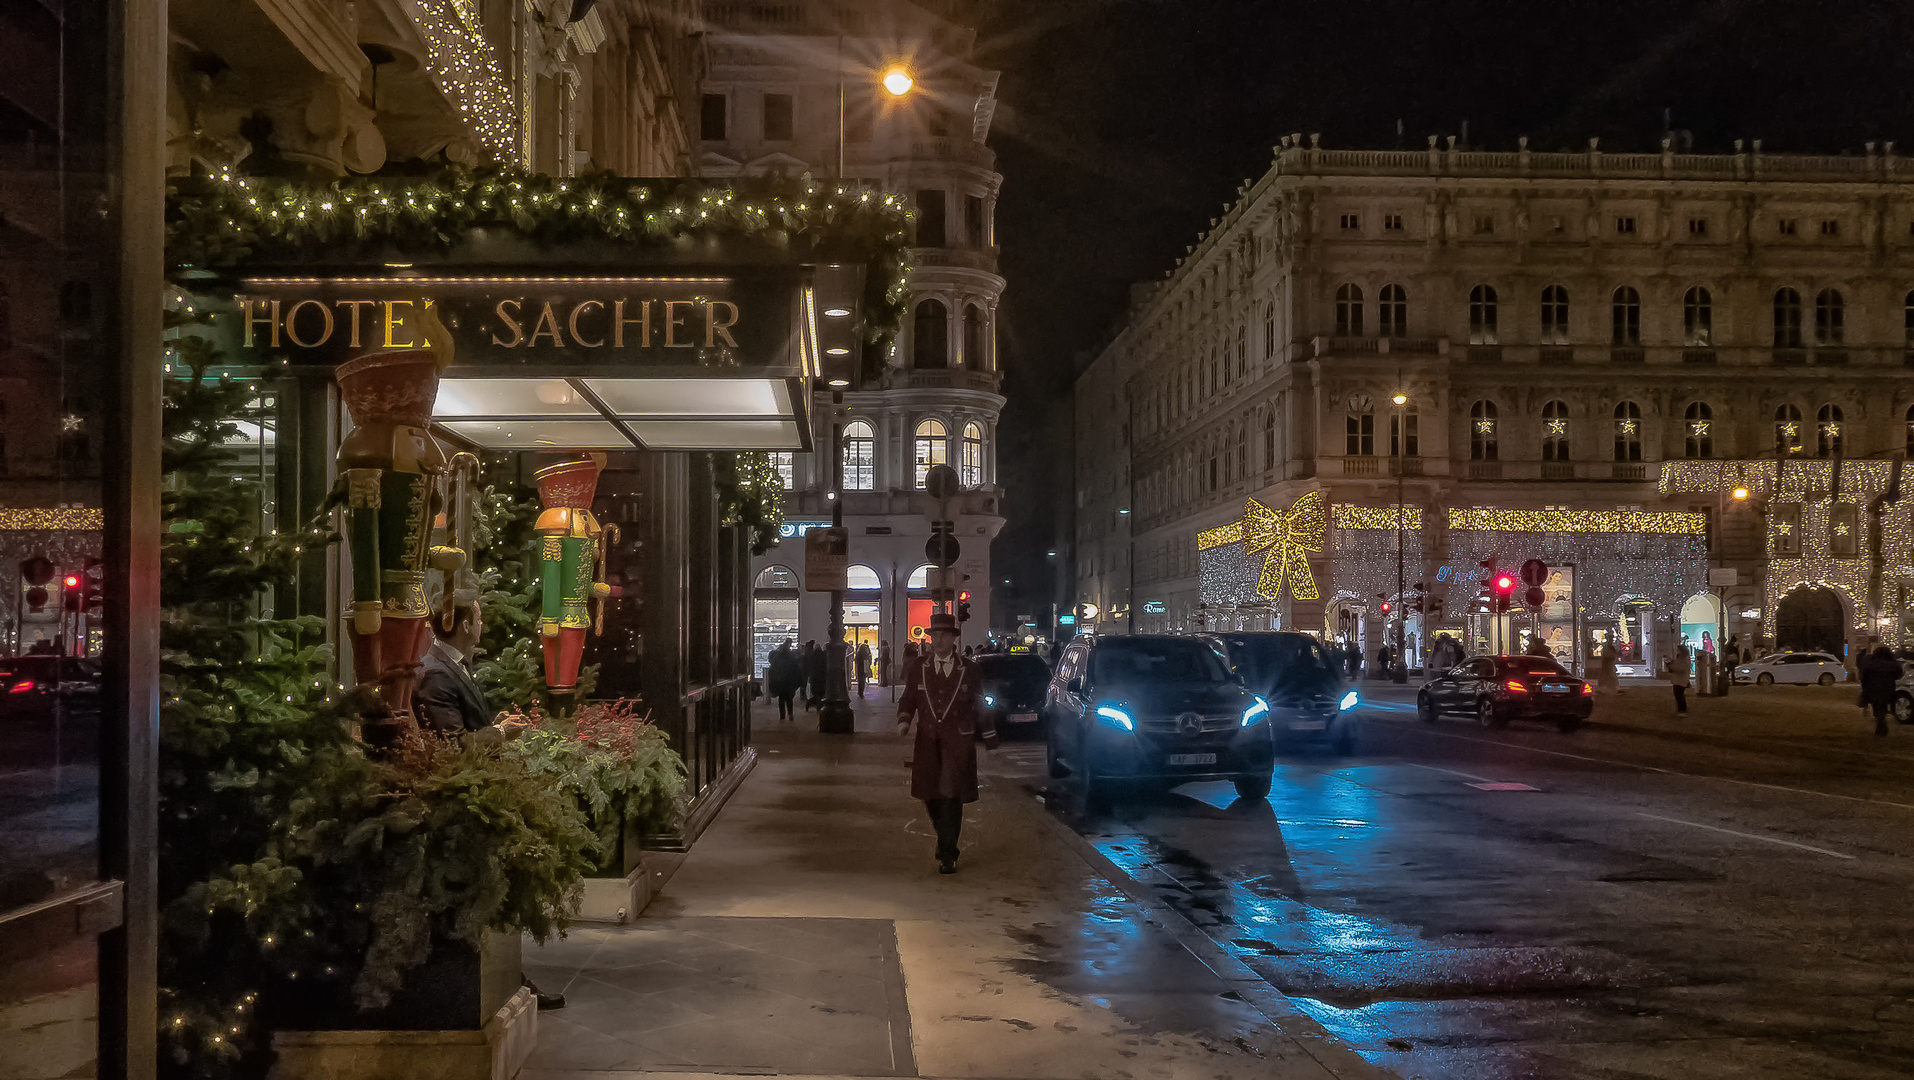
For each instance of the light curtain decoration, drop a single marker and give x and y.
(1288, 538)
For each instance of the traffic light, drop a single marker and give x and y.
(1503, 586)
(93, 578)
(70, 593)
(963, 606)
(1387, 607)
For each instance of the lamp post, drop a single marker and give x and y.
(1401, 673)
(834, 715)
(1724, 673)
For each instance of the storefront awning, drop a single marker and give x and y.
(617, 412)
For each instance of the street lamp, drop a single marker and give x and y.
(1401, 400)
(898, 81)
(1723, 679)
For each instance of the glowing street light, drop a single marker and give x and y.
(898, 81)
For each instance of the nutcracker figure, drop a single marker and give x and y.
(391, 467)
(572, 564)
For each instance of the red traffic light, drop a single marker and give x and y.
(73, 581)
(1387, 607)
(964, 596)
(1504, 583)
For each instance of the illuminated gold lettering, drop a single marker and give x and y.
(577, 335)
(619, 322)
(673, 322)
(354, 306)
(511, 323)
(292, 323)
(547, 325)
(392, 322)
(272, 319)
(715, 329)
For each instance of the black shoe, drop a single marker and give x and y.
(546, 1002)
(947, 865)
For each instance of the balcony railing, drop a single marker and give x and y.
(1377, 346)
(1361, 466)
(1790, 357)
(1627, 354)
(1556, 354)
(1697, 356)
(1558, 470)
(1485, 470)
(1485, 354)
(946, 379)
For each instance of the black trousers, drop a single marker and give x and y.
(1681, 699)
(947, 817)
(785, 711)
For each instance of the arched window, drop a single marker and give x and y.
(1699, 421)
(971, 463)
(860, 457)
(1787, 430)
(932, 448)
(1482, 435)
(1349, 311)
(1555, 315)
(1269, 440)
(919, 578)
(1827, 429)
(1482, 315)
(1628, 432)
(776, 577)
(1830, 317)
(1392, 312)
(1697, 319)
(861, 577)
(1555, 431)
(1627, 316)
(1269, 327)
(1242, 351)
(1787, 319)
(1359, 428)
(930, 336)
(976, 353)
(1405, 433)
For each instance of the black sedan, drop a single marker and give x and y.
(1497, 689)
(1308, 700)
(1013, 689)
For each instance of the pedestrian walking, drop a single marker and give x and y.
(1384, 657)
(814, 675)
(1678, 677)
(940, 699)
(1880, 672)
(884, 675)
(784, 676)
(863, 666)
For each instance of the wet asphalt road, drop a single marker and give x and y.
(1469, 903)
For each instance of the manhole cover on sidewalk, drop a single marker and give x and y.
(791, 996)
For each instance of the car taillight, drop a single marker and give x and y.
(1587, 689)
(1515, 686)
(24, 686)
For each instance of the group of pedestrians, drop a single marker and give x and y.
(793, 671)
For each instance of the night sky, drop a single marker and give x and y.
(1125, 125)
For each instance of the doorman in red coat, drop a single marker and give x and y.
(940, 697)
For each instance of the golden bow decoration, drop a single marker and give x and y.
(1289, 538)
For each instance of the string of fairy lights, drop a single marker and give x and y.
(467, 71)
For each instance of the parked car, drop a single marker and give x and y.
(1904, 693)
(1308, 699)
(1154, 708)
(1497, 689)
(1014, 685)
(30, 685)
(1794, 667)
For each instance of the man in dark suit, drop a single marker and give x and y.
(940, 697)
(448, 699)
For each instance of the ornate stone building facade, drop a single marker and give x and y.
(809, 89)
(1593, 351)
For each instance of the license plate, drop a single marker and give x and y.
(1554, 688)
(1308, 725)
(1023, 718)
(1192, 759)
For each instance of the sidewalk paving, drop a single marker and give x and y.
(808, 934)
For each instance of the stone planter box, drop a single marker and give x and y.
(463, 1015)
(622, 888)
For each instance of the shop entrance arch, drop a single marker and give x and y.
(774, 613)
(1811, 618)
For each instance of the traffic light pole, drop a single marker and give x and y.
(1401, 672)
(834, 716)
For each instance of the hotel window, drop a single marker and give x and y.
(932, 449)
(1699, 422)
(784, 463)
(711, 118)
(1625, 225)
(1555, 431)
(933, 206)
(975, 355)
(860, 457)
(1392, 222)
(1482, 315)
(976, 228)
(1484, 224)
(1628, 316)
(1830, 316)
(1405, 434)
(1392, 312)
(1844, 530)
(1787, 430)
(1697, 227)
(1269, 437)
(1349, 311)
(1697, 317)
(1359, 429)
(1351, 222)
(1628, 432)
(1830, 227)
(1785, 226)
(1827, 430)
(971, 464)
(1555, 315)
(1482, 435)
(1269, 327)
(777, 118)
(1787, 319)
(930, 336)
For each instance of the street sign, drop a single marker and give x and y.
(1723, 576)
(1066, 620)
(1535, 597)
(942, 549)
(942, 482)
(827, 559)
(1535, 575)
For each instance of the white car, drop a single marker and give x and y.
(1793, 667)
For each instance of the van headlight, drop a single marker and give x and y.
(1115, 717)
(1256, 713)
(1348, 701)
(989, 701)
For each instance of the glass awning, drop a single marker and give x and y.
(605, 412)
